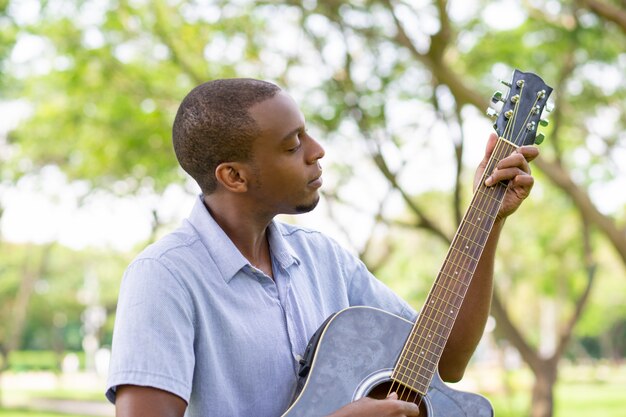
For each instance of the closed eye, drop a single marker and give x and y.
(295, 148)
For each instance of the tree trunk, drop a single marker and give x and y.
(542, 404)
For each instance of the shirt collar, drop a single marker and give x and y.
(223, 251)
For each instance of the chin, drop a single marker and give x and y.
(305, 208)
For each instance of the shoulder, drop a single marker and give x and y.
(182, 242)
(169, 260)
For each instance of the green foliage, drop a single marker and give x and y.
(105, 83)
(37, 360)
(59, 296)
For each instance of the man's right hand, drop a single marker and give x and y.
(369, 407)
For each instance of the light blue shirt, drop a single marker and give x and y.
(195, 318)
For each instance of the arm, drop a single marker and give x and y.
(471, 320)
(137, 401)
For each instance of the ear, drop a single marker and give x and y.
(232, 176)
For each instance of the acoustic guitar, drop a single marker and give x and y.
(363, 351)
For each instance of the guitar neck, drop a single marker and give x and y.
(420, 356)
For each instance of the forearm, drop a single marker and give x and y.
(470, 322)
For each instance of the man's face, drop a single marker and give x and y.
(285, 158)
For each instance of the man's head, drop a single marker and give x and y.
(213, 125)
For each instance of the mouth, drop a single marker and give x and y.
(316, 182)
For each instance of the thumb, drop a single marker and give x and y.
(491, 144)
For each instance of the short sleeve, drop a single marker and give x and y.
(365, 289)
(154, 332)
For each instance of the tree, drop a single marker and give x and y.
(452, 70)
(390, 78)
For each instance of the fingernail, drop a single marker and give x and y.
(489, 182)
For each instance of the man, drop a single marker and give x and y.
(213, 318)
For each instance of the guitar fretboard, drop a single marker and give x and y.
(420, 357)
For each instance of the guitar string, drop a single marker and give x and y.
(474, 232)
(436, 302)
(491, 205)
(442, 298)
(498, 153)
(528, 116)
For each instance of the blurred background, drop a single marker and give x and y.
(396, 91)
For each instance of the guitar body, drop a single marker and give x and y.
(354, 358)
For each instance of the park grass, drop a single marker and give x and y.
(581, 391)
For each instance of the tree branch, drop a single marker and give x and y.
(608, 12)
(589, 211)
(424, 221)
(178, 56)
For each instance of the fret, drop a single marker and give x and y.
(486, 209)
(482, 192)
(446, 313)
(471, 262)
(486, 213)
(461, 296)
(470, 237)
(422, 318)
(414, 371)
(411, 376)
(442, 319)
(454, 268)
(480, 235)
(419, 371)
(480, 227)
(467, 247)
(420, 387)
(428, 339)
(431, 310)
(425, 361)
(424, 355)
(447, 302)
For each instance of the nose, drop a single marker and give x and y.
(316, 151)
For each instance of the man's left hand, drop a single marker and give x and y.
(513, 168)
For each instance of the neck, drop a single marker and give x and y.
(245, 228)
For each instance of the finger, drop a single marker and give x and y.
(514, 160)
(411, 409)
(523, 182)
(529, 152)
(392, 396)
(504, 174)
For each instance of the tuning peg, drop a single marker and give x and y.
(497, 96)
(544, 122)
(549, 107)
(508, 84)
(492, 113)
(539, 138)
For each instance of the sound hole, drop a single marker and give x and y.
(381, 391)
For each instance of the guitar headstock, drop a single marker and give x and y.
(520, 115)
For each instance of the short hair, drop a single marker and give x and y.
(213, 125)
